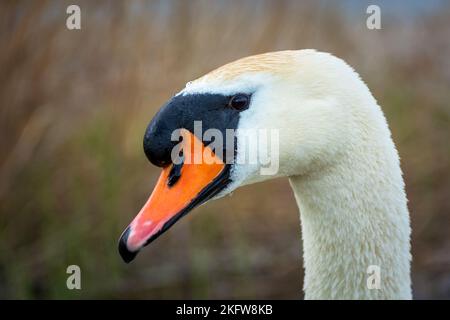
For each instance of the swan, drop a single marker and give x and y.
(334, 145)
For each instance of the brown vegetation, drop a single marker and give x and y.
(74, 106)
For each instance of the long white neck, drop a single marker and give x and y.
(354, 215)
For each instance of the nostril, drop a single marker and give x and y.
(175, 174)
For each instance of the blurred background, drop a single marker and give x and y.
(74, 106)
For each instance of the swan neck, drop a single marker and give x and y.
(355, 228)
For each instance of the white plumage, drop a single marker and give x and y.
(336, 149)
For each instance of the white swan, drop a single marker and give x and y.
(335, 147)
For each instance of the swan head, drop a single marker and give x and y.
(277, 114)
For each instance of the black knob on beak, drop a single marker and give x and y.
(158, 142)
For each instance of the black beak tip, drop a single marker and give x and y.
(127, 255)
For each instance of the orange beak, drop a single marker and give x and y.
(179, 189)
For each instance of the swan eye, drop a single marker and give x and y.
(239, 101)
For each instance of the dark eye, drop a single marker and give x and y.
(239, 101)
